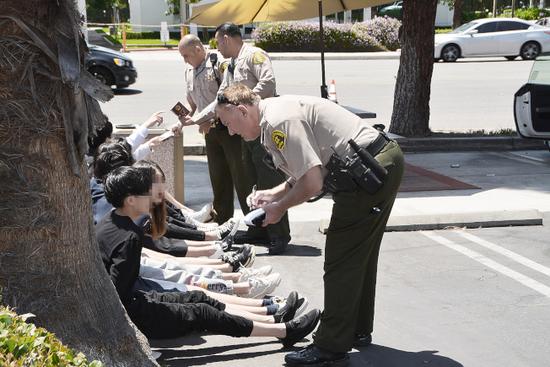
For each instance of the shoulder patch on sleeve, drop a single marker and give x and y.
(258, 58)
(223, 66)
(279, 138)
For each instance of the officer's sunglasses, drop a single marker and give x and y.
(222, 99)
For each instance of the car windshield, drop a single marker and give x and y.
(540, 72)
(464, 27)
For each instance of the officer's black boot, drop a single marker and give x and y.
(362, 340)
(278, 246)
(315, 356)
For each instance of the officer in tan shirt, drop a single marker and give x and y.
(252, 67)
(302, 133)
(203, 78)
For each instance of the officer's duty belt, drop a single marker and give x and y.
(377, 144)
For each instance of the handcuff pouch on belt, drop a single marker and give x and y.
(360, 171)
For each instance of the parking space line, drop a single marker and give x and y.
(517, 154)
(510, 254)
(525, 280)
(519, 158)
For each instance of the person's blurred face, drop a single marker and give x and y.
(158, 189)
(239, 121)
(193, 55)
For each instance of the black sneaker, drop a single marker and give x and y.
(294, 306)
(243, 258)
(253, 238)
(315, 356)
(300, 327)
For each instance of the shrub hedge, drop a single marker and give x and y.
(23, 344)
(374, 35)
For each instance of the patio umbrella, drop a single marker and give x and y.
(253, 11)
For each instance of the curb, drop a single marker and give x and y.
(492, 143)
(409, 223)
(420, 145)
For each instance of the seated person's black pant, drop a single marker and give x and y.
(173, 314)
(175, 230)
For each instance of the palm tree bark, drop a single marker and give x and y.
(411, 109)
(49, 260)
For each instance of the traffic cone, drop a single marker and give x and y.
(332, 91)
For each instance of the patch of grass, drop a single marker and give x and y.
(474, 133)
(442, 30)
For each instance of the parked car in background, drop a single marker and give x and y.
(110, 67)
(395, 10)
(508, 37)
(543, 22)
(532, 102)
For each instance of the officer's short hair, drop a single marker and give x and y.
(190, 40)
(237, 94)
(229, 29)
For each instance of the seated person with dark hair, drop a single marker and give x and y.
(173, 314)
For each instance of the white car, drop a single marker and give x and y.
(532, 102)
(508, 37)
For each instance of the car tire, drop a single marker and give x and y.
(103, 75)
(530, 51)
(510, 58)
(450, 53)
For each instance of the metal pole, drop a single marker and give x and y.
(324, 91)
(494, 8)
(513, 7)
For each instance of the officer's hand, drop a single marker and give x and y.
(155, 118)
(204, 128)
(186, 120)
(258, 199)
(273, 214)
(176, 129)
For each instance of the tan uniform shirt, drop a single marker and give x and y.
(252, 67)
(299, 132)
(201, 84)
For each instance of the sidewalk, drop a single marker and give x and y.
(513, 190)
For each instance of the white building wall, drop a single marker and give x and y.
(443, 16)
(150, 12)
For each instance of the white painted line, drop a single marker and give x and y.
(526, 281)
(516, 158)
(542, 160)
(510, 254)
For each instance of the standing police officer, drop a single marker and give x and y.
(252, 67)
(224, 152)
(311, 140)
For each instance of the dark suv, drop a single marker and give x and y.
(110, 67)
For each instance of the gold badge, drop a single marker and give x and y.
(223, 67)
(279, 138)
(258, 58)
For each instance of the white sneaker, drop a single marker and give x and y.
(260, 286)
(204, 214)
(247, 273)
(219, 252)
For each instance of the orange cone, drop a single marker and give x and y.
(332, 91)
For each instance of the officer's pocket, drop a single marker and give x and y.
(241, 77)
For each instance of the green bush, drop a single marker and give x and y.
(23, 344)
(304, 37)
(527, 13)
(468, 16)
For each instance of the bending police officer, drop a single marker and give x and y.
(308, 138)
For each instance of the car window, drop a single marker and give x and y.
(540, 72)
(487, 27)
(463, 27)
(512, 26)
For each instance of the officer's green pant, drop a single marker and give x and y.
(351, 257)
(266, 178)
(227, 170)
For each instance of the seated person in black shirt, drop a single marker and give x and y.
(173, 314)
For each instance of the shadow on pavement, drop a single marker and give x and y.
(126, 91)
(204, 356)
(191, 339)
(380, 356)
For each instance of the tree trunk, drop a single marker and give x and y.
(411, 105)
(457, 15)
(49, 260)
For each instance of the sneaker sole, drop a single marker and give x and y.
(251, 258)
(302, 307)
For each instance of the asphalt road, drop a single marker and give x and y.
(444, 298)
(471, 94)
